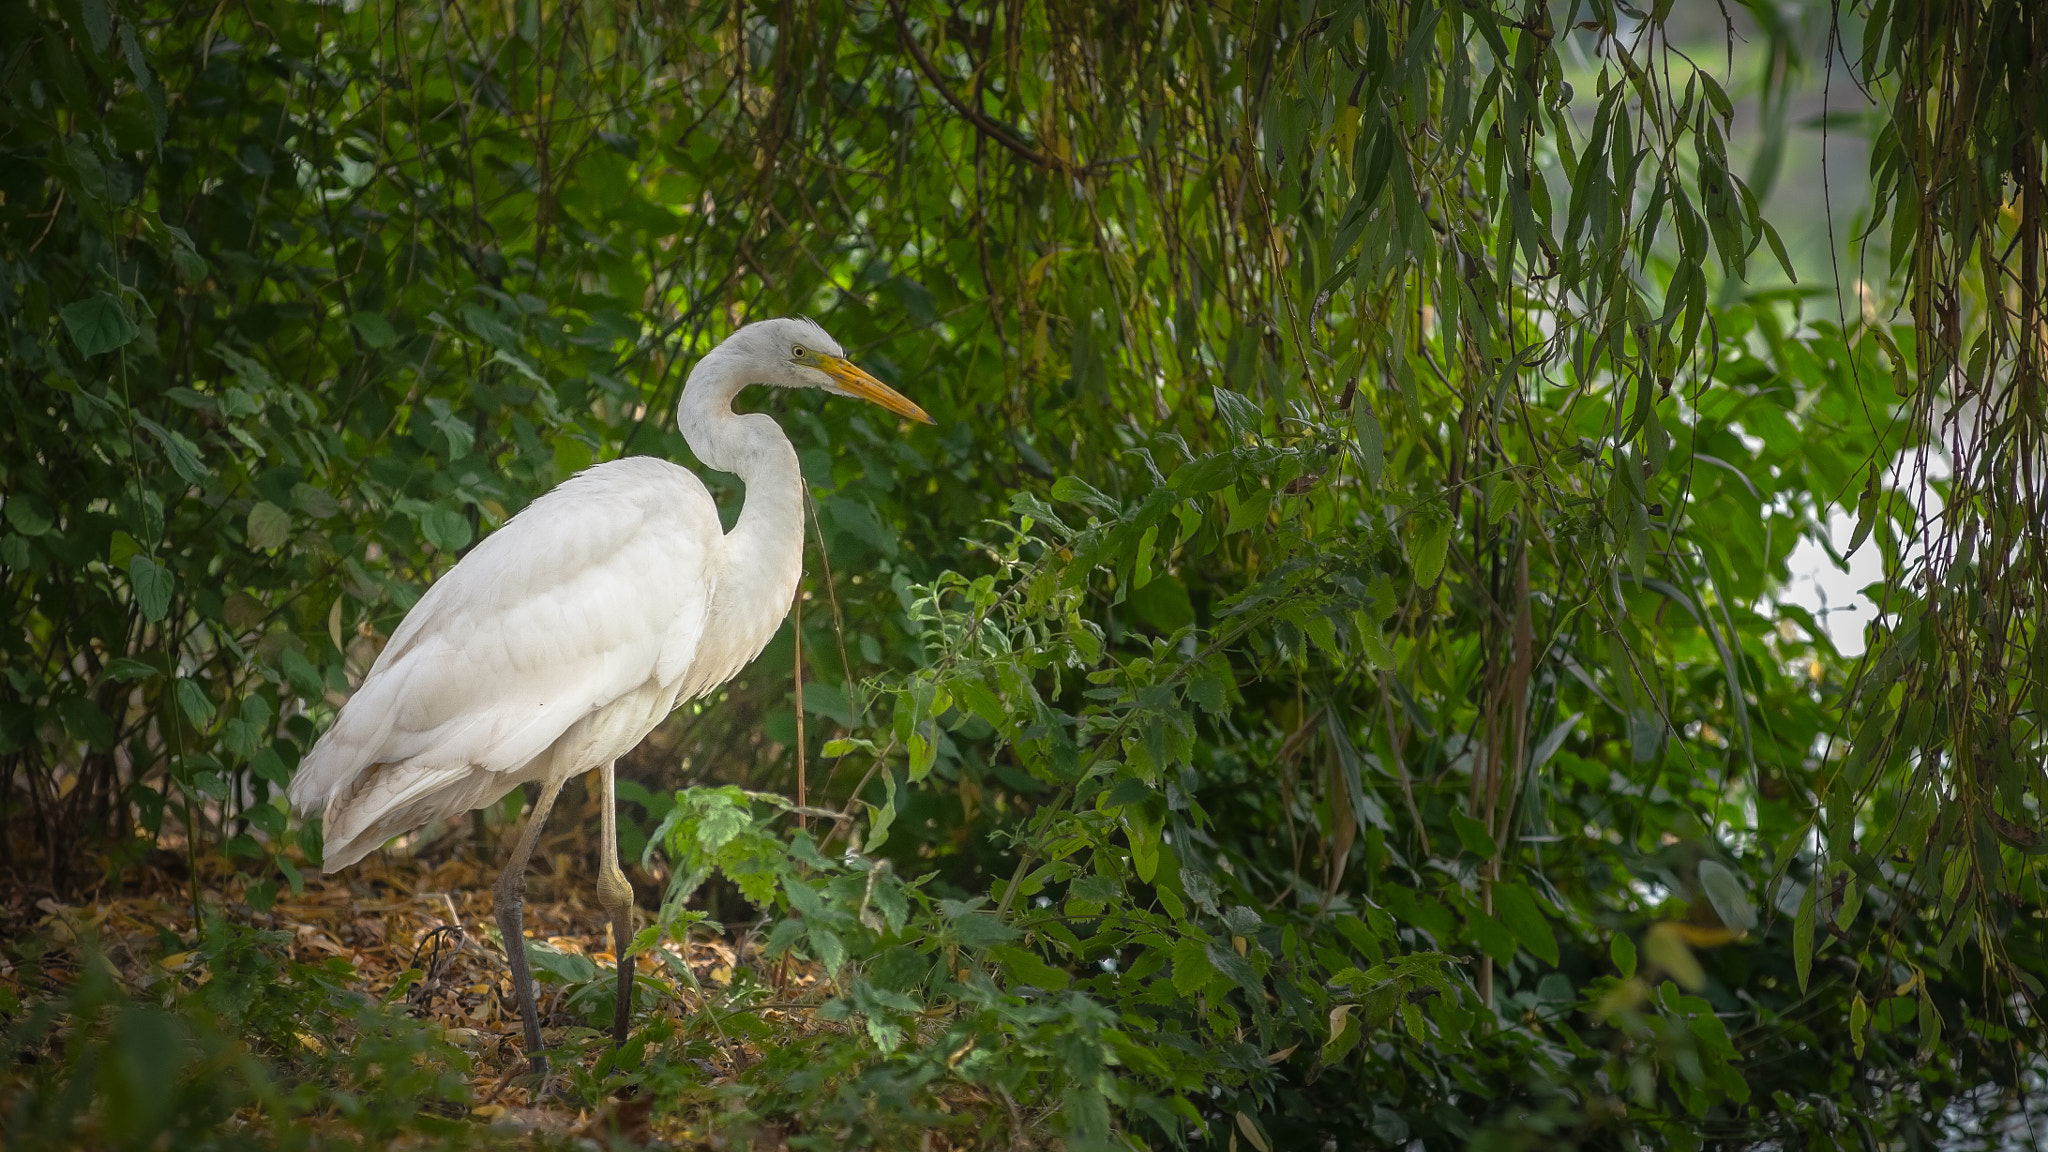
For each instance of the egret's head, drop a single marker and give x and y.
(796, 353)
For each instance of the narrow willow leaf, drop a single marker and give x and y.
(1372, 441)
(1802, 934)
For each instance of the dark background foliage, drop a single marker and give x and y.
(1332, 630)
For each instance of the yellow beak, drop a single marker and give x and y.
(855, 382)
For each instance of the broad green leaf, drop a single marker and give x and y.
(1026, 967)
(269, 526)
(99, 324)
(30, 516)
(445, 528)
(375, 330)
(1517, 908)
(1192, 971)
(1724, 891)
(1622, 951)
(1427, 545)
(152, 583)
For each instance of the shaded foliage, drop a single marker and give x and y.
(1321, 676)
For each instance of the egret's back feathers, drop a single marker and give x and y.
(590, 602)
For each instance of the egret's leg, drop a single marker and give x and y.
(615, 893)
(507, 899)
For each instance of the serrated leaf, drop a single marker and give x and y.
(1026, 967)
(1241, 415)
(1075, 490)
(1192, 970)
(153, 584)
(98, 324)
(827, 947)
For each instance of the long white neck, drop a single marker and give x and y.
(764, 550)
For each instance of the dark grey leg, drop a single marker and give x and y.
(615, 893)
(507, 898)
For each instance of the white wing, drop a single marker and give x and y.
(595, 595)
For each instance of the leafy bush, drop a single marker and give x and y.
(244, 1056)
(1323, 680)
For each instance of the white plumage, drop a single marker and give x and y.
(566, 636)
(553, 647)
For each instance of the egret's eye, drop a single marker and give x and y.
(796, 351)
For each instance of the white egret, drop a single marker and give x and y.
(564, 637)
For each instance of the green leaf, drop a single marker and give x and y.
(1025, 967)
(99, 25)
(30, 516)
(976, 929)
(1866, 517)
(269, 526)
(829, 949)
(1859, 1023)
(193, 701)
(1622, 951)
(1243, 417)
(98, 324)
(1493, 937)
(1724, 891)
(1802, 934)
(552, 965)
(1372, 441)
(269, 766)
(1427, 547)
(445, 528)
(1074, 490)
(315, 502)
(152, 583)
(1192, 971)
(375, 330)
(182, 453)
(127, 668)
(1202, 474)
(1517, 908)
(1474, 836)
